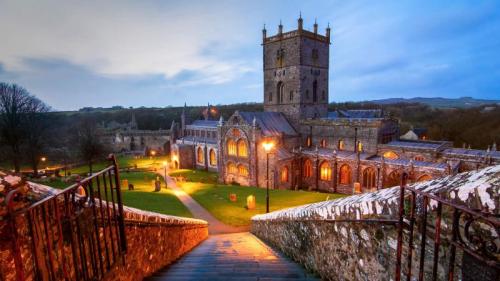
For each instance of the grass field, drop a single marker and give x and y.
(196, 175)
(123, 161)
(142, 197)
(215, 198)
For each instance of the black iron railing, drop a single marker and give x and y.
(77, 234)
(441, 240)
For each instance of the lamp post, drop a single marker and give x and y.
(165, 164)
(268, 146)
(153, 153)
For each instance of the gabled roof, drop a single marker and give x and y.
(271, 123)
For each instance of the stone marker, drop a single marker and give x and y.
(251, 202)
(124, 183)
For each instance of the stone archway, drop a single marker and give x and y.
(393, 179)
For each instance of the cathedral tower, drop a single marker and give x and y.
(296, 67)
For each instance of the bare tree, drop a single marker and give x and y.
(90, 147)
(18, 109)
(35, 129)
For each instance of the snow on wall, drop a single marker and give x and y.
(482, 185)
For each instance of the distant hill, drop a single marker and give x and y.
(464, 102)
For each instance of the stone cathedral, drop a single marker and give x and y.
(344, 151)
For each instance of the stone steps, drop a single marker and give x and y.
(237, 256)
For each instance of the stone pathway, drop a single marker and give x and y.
(214, 225)
(236, 256)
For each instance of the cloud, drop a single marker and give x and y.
(124, 38)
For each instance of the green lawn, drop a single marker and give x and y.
(196, 175)
(142, 197)
(215, 198)
(123, 161)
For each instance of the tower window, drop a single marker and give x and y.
(307, 94)
(341, 145)
(323, 143)
(323, 95)
(315, 54)
(280, 89)
(270, 96)
(291, 95)
(315, 91)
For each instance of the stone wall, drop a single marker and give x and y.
(354, 250)
(154, 241)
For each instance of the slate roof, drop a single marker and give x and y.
(417, 144)
(470, 152)
(271, 123)
(356, 114)
(205, 123)
(197, 140)
(407, 162)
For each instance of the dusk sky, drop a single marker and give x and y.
(73, 54)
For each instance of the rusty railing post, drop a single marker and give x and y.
(404, 178)
(16, 252)
(121, 225)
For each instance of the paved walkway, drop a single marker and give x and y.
(214, 225)
(236, 256)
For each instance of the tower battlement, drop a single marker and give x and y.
(300, 31)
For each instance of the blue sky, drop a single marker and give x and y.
(73, 54)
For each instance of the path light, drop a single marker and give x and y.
(268, 146)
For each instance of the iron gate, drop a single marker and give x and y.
(77, 234)
(441, 240)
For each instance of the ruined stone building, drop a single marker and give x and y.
(128, 138)
(342, 151)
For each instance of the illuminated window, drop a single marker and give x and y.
(242, 170)
(345, 175)
(393, 179)
(284, 174)
(424, 178)
(231, 147)
(231, 168)
(341, 145)
(236, 132)
(242, 148)
(308, 142)
(325, 171)
(419, 158)
(308, 167)
(369, 178)
(200, 156)
(322, 143)
(213, 157)
(360, 147)
(391, 155)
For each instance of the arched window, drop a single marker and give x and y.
(419, 158)
(393, 179)
(345, 175)
(315, 91)
(213, 158)
(391, 155)
(231, 168)
(270, 97)
(424, 178)
(325, 171)
(242, 148)
(360, 146)
(290, 97)
(284, 174)
(231, 147)
(200, 156)
(341, 145)
(242, 170)
(308, 141)
(280, 90)
(369, 180)
(322, 143)
(308, 168)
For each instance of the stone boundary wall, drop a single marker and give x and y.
(363, 250)
(153, 240)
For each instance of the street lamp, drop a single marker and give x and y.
(43, 159)
(268, 146)
(165, 164)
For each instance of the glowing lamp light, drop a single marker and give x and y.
(268, 145)
(165, 163)
(153, 153)
(43, 159)
(175, 158)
